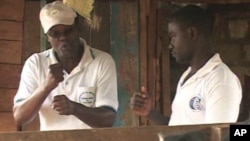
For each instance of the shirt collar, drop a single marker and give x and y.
(88, 55)
(212, 63)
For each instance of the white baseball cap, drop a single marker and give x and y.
(56, 13)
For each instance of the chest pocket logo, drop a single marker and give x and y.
(196, 103)
(87, 96)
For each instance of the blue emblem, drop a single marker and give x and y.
(196, 103)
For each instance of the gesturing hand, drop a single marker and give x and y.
(141, 102)
(63, 105)
(54, 76)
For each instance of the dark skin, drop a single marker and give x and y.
(188, 45)
(65, 42)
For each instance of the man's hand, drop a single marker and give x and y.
(141, 103)
(54, 77)
(63, 105)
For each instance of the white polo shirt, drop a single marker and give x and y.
(212, 95)
(92, 83)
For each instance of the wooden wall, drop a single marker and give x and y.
(124, 47)
(150, 133)
(11, 43)
(19, 38)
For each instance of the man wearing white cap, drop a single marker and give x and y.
(71, 85)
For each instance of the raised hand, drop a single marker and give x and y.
(141, 102)
(54, 77)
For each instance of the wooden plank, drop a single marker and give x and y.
(85, 29)
(32, 126)
(31, 36)
(100, 26)
(199, 135)
(8, 49)
(125, 50)
(151, 53)
(6, 99)
(143, 43)
(143, 49)
(221, 133)
(165, 85)
(7, 123)
(209, 1)
(10, 75)
(10, 30)
(163, 12)
(11, 10)
(97, 32)
(109, 134)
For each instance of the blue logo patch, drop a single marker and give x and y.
(196, 103)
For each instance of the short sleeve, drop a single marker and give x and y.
(107, 84)
(28, 82)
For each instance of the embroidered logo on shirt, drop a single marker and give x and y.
(196, 103)
(87, 99)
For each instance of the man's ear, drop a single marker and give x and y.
(193, 32)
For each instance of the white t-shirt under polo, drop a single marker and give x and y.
(92, 83)
(212, 95)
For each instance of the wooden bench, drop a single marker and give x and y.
(147, 133)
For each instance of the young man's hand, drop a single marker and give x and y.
(141, 102)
